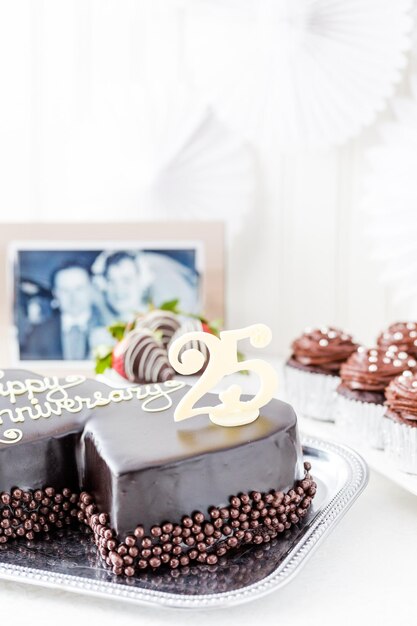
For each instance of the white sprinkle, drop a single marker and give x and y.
(414, 384)
(323, 342)
(361, 349)
(402, 355)
(373, 359)
(386, 360)
(397, 363)
(324, 330)
(411, 363)
(390, 355)
(344, 337)
(386, 335)
(393, 348)
(373, 352)
(413, 334)
(407, 373)
(373, 368)
(415, 342)
(331, 334)
(411, 325)
(398, 335)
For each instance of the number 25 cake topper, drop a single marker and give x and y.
(232, 411)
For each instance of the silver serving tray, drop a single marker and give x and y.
(68, 560)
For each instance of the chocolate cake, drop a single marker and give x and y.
(154, 491)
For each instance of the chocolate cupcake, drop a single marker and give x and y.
(401, 334)
(400, 422)
(312, 371)
(360, 395)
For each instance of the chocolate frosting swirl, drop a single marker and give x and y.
(401, 396)
(401, 334)
(326, 348)
(371, 369)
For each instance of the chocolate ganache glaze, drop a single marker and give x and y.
(401, 398)
(322, 350)
(124, 446)
(368, 371)
(403, 335)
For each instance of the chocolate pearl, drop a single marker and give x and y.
(239, 534)
(201, 546)
(244, 498)
(174, 563)
(210, 541)
(176, 531)
(20, 531)
(157, 550)
(164, 537)
(103, 518)
(234, 513)
(167, 547)
(224, 513)
(156, 531)
(202, 557)
(235, 502)
(232, 542)
(139, 532)
(129, 571)
(142, 564)
(146, 542)
(127, 560)
(212, 559)
(122, 549)
(177, 540)
(307, 466)
(221, 550)
(227, 530)
(30, 535)
(256, 496)
(246, 508)
(168, 528)
(134, 551)
(217, 534)
(17, 494)
(108, 534)
(189, 541)
(165, 557)
(184, 560)
(254, 524)
(208, 529)
(257, 539)
(196, 528)
(198, 517)
(218, 523)
(193, 554)
(5, 498)
(186, 532)
(176, 550)
(111, 544)
(294, 518)
(146, 553)
(235, 523)
(187, 522)
(155, 562)
(255, 514)
(248, 536)
(200, 537)
(214, 512)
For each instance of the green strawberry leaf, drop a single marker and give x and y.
(103, 363)
(241, 357)
(170, 305)
(117, 330)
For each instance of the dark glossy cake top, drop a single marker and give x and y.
(325, 348)
(371, 369)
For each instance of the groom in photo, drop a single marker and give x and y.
(65, 335)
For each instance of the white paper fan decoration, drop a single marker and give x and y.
(154, 153)
(391, 202)
(307, 72)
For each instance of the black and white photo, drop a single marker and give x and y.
(66, 297)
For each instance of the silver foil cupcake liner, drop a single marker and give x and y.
(361, 423)
(311, 394)
(401, 445)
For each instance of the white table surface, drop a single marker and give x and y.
(364, 573)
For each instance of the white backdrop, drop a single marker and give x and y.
(75, 79)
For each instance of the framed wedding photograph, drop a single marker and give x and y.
(66, 283)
